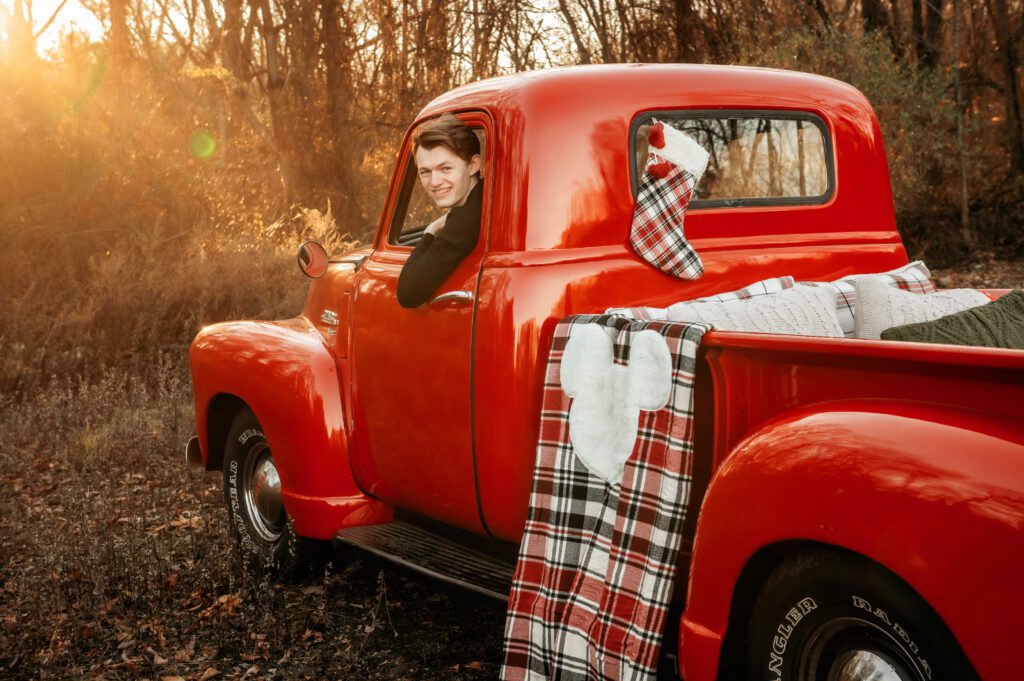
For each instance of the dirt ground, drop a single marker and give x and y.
(986, 270)
(115, 561)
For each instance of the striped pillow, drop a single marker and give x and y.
(758, 288)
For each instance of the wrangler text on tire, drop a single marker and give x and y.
(259, 523)
(832, 616)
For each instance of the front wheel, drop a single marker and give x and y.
(833, 617)
(252, 490)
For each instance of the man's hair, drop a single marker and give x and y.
(448, 131)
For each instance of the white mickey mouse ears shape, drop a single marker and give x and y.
(608, 397)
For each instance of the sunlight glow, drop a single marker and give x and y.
(72, 17)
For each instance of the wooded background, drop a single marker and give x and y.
(191, 130)
(157, 174)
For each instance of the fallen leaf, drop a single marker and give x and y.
(209, 673)
(474, 665)
(130, 663)
(194, 522)
(155, 656)
(315, 636)
(171, 678)
(225, 606)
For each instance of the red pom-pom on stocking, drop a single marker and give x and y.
(660, 170)
(656, 136)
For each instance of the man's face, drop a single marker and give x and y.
(446, 177)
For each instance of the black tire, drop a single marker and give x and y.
(263, 530)
(824, 615)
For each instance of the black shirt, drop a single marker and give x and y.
(434, 258)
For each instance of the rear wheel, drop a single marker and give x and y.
(834, 617)
(259, 522)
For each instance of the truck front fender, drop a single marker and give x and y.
(934, 495)
(284, 373)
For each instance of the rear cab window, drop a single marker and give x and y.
(757, 158)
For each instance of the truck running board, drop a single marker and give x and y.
(434, 554)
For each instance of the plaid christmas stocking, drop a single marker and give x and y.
(675, 163)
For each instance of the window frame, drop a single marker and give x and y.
(752, 202)
(475, 120)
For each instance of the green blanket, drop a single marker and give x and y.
(999, 324)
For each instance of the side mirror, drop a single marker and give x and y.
(312, 259)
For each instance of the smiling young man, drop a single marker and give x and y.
(447, 156)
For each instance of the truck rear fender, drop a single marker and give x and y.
(925, 491)
(288, 378)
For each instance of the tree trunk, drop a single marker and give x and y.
(21, 42)
(917, 31)
(686, 24)
(932, 33)
(898, 46)
(119, 40)
(1006, 54)
(232, 43)
(875, 18)
(581, 47)
(331, 41)
(819, 7)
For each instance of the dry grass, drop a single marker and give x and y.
(115, 560)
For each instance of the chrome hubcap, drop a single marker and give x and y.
(864, 665)
(853, 649)
(263, 495)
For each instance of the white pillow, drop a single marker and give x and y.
(914, 277)
(879, 306)
(801, 310)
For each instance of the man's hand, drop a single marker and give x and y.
(434, 227)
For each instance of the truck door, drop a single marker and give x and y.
(412, 441)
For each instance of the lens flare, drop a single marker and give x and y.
(202, 144)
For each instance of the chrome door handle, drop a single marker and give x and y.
(454, 296)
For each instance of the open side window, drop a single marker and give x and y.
(415, 209)
(757, 158)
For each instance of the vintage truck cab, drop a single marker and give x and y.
(413, 432)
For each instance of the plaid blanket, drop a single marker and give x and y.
(597, 561)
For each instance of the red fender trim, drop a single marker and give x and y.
(933, 494)
(286, 375)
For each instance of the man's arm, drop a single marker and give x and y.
(435, 257)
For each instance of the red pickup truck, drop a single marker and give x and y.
(858, 505)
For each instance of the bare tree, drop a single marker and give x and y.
(1007, 37)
